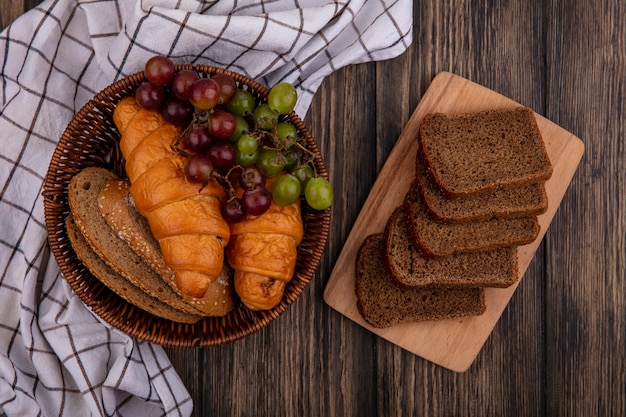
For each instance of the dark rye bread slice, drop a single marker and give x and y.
(503, 203)
(436, 238)
(115, 204)
(477, 153)
(117, 283)
(383, 304)
(83, 193)
(410, 268)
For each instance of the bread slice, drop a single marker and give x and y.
(117, 283)
(503, 203)
(115, 204)
(436, 238)
(383, 304)
(409, 268)
(477, 153)
(83, 193)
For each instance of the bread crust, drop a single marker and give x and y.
(120, 285)
(435, 238)
(410, 268)
(382, 304)
(83, 192)
(477, 153)
(119, 212)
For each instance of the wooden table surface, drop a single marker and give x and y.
(560, 346)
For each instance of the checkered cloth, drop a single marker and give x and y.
(57, 358)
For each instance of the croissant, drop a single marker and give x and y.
(263, 251)
(183, 216)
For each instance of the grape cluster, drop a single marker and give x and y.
(230, 136)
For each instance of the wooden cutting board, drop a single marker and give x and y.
(453, 344)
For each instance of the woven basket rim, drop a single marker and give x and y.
(88, 141)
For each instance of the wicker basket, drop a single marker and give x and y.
(91, 139)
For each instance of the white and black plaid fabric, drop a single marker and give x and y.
(57, 358)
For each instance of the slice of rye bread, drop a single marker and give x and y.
(83, 193)
(383, 304)
(477, 153)
(115, 204)
(410, 268)
(504, 203)
(117, 283)
(436, 238)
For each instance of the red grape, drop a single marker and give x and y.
(228, 86)
(222, 155)
(178, 112)
(150, 96)
(251, 177)
(159, 70)
(204, 93)
(222, 124)
(197, 139)
(232, 211)
(198, 168)
(182, 81)
(256, 201)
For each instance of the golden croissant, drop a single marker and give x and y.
(183, 216)
(263, 251)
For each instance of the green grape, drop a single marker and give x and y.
(241, 126)
(264, 117)
(287, 133)
(242, 103)
(304, 173)
(271, 162)
(319, 193)
(292, 157)
(247, 144)
(286, 190)
(282, 97)
(245, 159)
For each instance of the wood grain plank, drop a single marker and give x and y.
(11, 11)
(585, 331)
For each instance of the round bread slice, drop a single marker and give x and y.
(383, 304)
(117, 283)
(117, 208)
(83, 193)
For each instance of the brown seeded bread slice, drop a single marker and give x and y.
(83, 193)
(409, 268)
(383, 304)
(504, 203)
(115, 204)
(436, 238)
(117, 283)
(477, 153)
